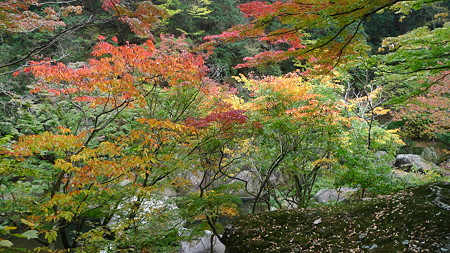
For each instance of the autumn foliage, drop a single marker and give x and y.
(16, 16)
(295, 20)
(164, 93)
(143, 144)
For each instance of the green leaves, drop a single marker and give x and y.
(30, 234)
(422, 49)
(6, 243)
(6, 230)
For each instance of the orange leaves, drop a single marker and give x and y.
(105, 148)
(272, 91)
(121, 74)
(64, 130)
(292, 100)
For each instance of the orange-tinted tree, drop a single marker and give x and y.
(297, 125)
(122, 134)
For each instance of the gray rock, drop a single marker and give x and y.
(334, 195)
(202, 245)
(430, 154)
(410, 162)
(441, 194)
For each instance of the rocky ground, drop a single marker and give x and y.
(414, 220)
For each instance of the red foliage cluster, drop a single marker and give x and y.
(224, 119)
(431, 108)
(257, 9)
(226, 34)
(263, 58)
(109, 4)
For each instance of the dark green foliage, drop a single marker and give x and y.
(391, 23)
(408, 221)
(200, 17)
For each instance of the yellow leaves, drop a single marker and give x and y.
(393, 131)
(164, 124)
(370, 97)
(34, 144)
(293, 88)
(63, 165)
(277, 92)
(229, 211)
(108, 148)
(145, 138)
(144, 163)
(105, 148)
(180, 182)
(392, 136)
(235, 102)
(324, 162)
(51, 235)
(441, 15)
(368, 105)
(200, 9)
(28, 223)
(380, 111)
(242, 79)
(9, 228)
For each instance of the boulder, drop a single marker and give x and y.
(334, 195)
(410, 162)
(202, 245)
(441, 194)
(430, 154)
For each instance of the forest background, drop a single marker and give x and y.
(137, 124)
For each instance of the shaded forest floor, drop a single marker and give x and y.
(414, 220)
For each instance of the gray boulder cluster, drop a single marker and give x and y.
(334, 195)
(203, 245)
(413, 163)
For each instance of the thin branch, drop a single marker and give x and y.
(50, 42)
(55, 2)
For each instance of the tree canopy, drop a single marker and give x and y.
(123, 127)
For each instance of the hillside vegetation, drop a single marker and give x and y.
(413, 220)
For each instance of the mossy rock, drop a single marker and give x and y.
(414, 220)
